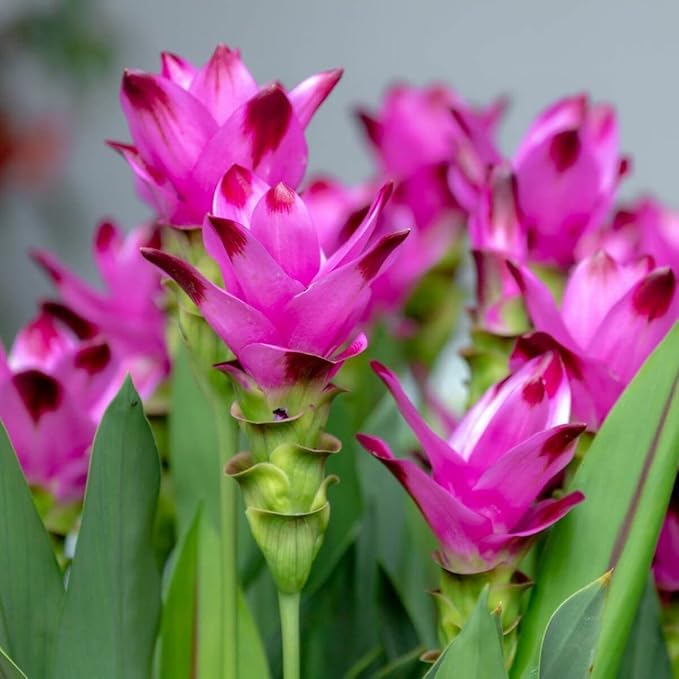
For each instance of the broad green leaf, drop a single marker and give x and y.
(572, 633)
(646, 652)
(31, 584)
(177, 629)
(627, 477)
(408, 666)
(112, 605)
(8, 669)
(476, 653)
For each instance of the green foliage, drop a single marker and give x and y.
(112, 606)
(627, 477)
(572, 633)
(476, 652)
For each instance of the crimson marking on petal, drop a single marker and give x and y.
(552, 376)
(300, 368)
(352, 223)
(654, 294)
(40, 393)
(533, 392)
(106, 234)
(93, 359)
(624, 167)
(371, 127)
(81, 327)
(44, 262)
(560, 440)
(538, 343)
(236, 186)
(267, 117)
(461, 122)
(565, 149)
(232, 238)
(371, 263)
(280, 198)
(622, 218)
(180, 271)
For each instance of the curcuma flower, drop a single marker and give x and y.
(567, 168)
(610, 319)
(289, 310)
(54, 386)
(666, 562)
(126, 312)
(189, 125)
(481, 499)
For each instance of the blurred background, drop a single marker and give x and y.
(61, 62)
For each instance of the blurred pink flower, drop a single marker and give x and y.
(482, 497)
(126, 312)
(189, 125)
(666, 562)
(567, 170)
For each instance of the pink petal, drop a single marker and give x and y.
(582, 310)
(282, 224)
(322, 317)
(666, 562)
(356, 243)
(636, 324)
(458, 529)
(507, 489)
(178, 70)
(312, 92)
(262, 135)
(237, 323)
(546, 513)
(223, 84)
(237, 194)
(448, 468)
(535, 398)
(541, 306)
(262, 282)
(169, 127)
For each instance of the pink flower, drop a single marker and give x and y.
(126, 312)
(567, 168)
(643, 228)
(610, 319)
(482, 497)
(189, 125)
(290, 311)
(666, 562)
(54, 386)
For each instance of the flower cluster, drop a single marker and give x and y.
(67, 364)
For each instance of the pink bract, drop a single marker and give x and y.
(190, 124)
(484, 497)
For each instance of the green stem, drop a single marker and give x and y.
(289, 610)
(229, 550)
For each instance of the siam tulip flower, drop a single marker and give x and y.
(54, 386)
(190, 124)
(289, 310)
(482, 497)
(644, 228)
(610, 319)
(567, 168)
(126, 312)
(666, 562)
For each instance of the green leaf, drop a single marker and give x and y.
(646, 652)
(476, 653)
(112, 605)
(8, 669)
(177, 630)
(31, 584)
(572, 633)
(627, 477)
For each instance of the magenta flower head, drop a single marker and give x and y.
(610, 319)
(189, 125)
(482, 498)
(567, 167)
(54, 386)
(644, 228)
(126, 312)
(289, 310)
